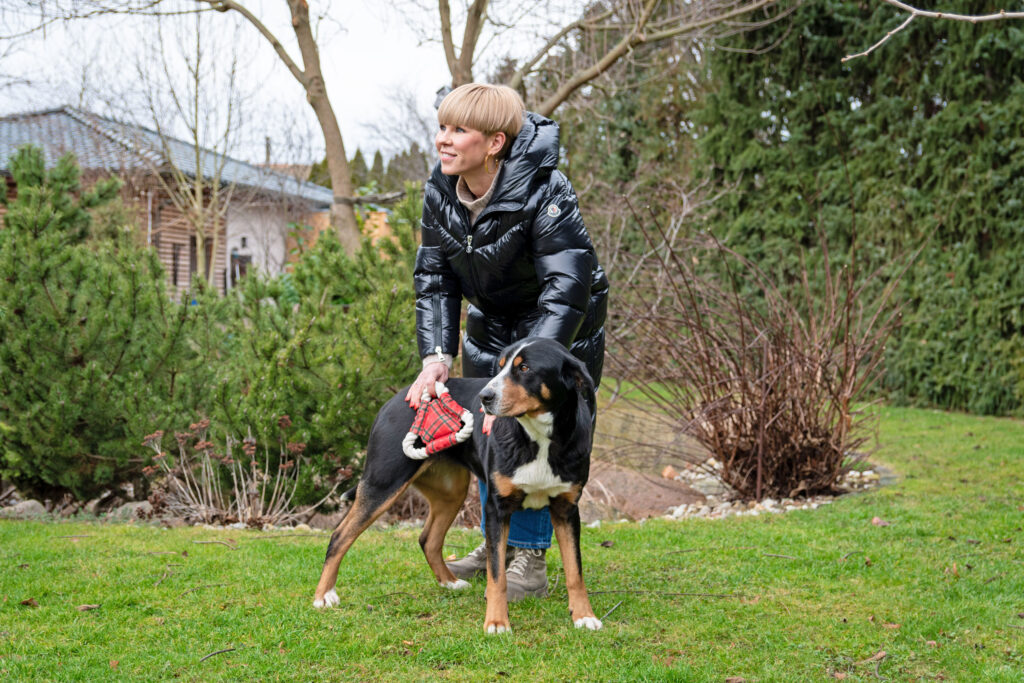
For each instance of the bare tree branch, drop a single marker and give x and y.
(915, 12)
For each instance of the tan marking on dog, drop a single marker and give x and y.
(444, 486)
(501, 361)
(515, 400)
(573, 494)
(579, 601)
(545, 393)
(503, 485)
(496, 616)
(356, 521)
(517, 362)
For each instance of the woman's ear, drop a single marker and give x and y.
(497, 143)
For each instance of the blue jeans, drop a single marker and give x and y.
(527, 528)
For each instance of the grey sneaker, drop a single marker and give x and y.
(527, 574)
(472, 565)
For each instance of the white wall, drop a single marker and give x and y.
(263, 229)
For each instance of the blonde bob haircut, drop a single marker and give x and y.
(486, 108)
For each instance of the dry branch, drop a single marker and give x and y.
(915, 12)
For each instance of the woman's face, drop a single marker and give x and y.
(463, 150)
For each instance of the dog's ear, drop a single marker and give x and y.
(576, 377)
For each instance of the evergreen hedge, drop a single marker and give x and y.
(918, 143)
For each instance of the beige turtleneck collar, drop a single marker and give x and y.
(473, 203)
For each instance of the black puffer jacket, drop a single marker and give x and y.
(527, 266)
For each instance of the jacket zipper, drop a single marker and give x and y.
(435, 304)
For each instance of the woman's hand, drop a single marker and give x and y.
(429, 376)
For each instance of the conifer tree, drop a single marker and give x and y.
(91, 340)
(916, 142)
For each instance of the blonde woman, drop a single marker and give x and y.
(502, 229)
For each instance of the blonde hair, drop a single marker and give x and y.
(486, 108)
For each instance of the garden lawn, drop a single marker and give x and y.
(936, 594)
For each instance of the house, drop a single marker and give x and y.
(249, 221)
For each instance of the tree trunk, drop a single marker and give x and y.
(343, 216)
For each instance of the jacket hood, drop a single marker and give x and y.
(535, 149)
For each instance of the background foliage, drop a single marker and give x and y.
(92, 344)
(96, 354)
(917, 143)
(770, 141)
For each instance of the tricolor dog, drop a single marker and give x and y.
(537, 454)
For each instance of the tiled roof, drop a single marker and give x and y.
(101, 143)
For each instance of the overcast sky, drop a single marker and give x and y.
(368, 51)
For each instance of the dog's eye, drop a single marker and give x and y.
(523, 367)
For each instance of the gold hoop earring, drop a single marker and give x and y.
(487, 162)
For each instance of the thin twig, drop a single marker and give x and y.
(786, 557)
(669, 595)
(611, 610)
(218, 652)
(233, 547)
(77, 536)
(195, 588)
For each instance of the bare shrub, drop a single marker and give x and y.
(229, 487)
(766, 384)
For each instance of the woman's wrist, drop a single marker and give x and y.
(438, 357)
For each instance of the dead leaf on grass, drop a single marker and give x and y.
(839, 676)
(30, 602)
(86, 608)
(878, 521)
(607, 544)
(891, 626)
(877, 657)
(735, 679)
(931, 643)
(114, 663)
(22, 566)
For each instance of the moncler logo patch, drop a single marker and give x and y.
(554, 211)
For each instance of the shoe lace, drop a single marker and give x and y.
(478, 552)
(521, 560)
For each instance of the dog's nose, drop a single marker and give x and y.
(487, 396)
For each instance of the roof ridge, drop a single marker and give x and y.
(92, 120)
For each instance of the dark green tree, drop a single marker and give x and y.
(917, 143)
(92, 343)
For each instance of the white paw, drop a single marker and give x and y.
(498, 628)
(456, 585)
(593, 623)
(330, 599)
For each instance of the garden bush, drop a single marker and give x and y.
(92, 343)
(324, 345)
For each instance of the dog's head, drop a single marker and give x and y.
(536, 376)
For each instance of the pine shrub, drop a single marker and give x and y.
(91, 341)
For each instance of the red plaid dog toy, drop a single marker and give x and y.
(439, 424)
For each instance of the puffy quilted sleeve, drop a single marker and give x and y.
(438, 293)
(565, 260)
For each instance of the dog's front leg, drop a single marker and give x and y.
(565, 517)
(496, 533)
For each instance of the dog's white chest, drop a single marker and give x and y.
(538, 482)
(535, 478)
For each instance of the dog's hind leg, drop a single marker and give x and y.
(565, 517)
(444, 485)
(370, 503)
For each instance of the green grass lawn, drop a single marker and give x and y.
(815, 595)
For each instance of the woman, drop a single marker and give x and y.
(502, 229)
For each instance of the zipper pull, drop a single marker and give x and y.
(469, 244)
